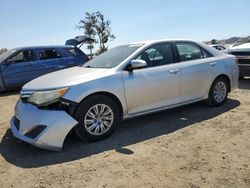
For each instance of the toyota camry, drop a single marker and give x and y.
(126, 81)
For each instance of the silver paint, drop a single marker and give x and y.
(139, 91)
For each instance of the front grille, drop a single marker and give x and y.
(33, 133)
(17, 123)
(244, 61)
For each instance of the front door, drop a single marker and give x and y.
(155, 86)
(20, 68)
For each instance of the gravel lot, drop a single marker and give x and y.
(191, 146)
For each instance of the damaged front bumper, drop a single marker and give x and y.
(42, 128)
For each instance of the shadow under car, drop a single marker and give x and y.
(131, 131)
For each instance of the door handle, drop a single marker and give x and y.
(212, 64)
(174, 71)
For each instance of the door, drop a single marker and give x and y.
(19, 68)
(51, 60)
(155, 86)
(197, 68)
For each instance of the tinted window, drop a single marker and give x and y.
(188, 51)
(22, 56)
(156, 55)
(74, 51)
(49, 54)
(206, 54)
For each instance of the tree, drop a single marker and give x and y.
(103, 28)
(88, 25)
(2, 50)
(94, 25)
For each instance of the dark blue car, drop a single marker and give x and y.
(20, 65)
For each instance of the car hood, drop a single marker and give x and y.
(242, 47)
(63, 78)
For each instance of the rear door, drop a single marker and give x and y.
(50, 60)
(20, 68)
(197, 68)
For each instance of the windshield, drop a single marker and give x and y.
(6, 55)
(112, 57)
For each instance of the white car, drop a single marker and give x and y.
(124, 82)
(242, 53)
(220, 47)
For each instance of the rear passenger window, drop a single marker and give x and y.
(49, 54)
(206, 54)
(74, 51)
(189, 51)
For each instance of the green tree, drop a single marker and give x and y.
(95, 24)
(103, 28)
(88, 26)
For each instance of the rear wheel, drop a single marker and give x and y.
(98, 116)
(218, 92)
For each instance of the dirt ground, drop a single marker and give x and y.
(192, 146)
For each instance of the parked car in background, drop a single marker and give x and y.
(242, 53)
(124, 82)
(220, 47)
(21, 65)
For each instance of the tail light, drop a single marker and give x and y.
(236, 60)
(86, 58)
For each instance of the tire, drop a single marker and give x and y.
(221, 87)
(94, 127)
(2, 88)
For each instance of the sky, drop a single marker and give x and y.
(52, 22)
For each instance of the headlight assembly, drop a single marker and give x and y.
(45, 98)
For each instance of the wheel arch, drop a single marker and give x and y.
(108, 94)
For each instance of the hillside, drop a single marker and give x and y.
(232, 40)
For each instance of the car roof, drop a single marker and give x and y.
(38, 47)
(215, 45)
(161, 40)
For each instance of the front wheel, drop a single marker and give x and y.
(218, 92)
(98, 117)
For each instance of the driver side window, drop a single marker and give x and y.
(22, 56)
(157, 55)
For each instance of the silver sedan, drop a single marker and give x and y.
(126, 81)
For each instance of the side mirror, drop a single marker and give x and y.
(137, 64)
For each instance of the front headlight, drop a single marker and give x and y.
(45, 98)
